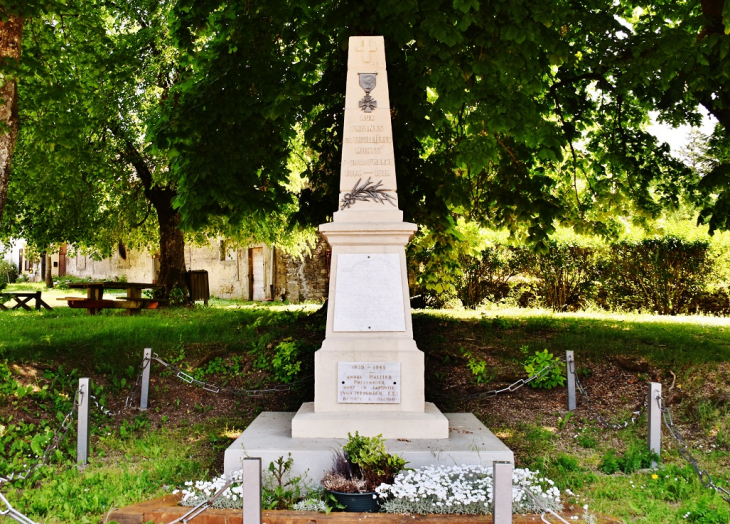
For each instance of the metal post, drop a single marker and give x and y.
(82, 443)
(145, 393)
(252, 490)
(655, 419)
(502, 492)
(570, 367)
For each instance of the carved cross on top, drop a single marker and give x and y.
(366, 50)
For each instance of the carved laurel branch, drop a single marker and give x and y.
(368, 191)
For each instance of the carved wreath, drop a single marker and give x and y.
(368, 191)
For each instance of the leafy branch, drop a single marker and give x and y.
(368, 191)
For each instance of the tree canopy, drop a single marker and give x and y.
(518, 115)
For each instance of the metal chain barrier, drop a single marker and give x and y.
(129, 402)
(186, 377)
(541, 506)
(14, 514)
(601, 420)
(56, 440)
(683, 450)
(512, 387)
(200, 508)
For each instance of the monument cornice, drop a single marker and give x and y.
(367, 233)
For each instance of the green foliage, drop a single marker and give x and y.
(281, 490)
(177, 297)
(375, 463)
(636, 457)
(478, 367)
(284, 364)
(538, 361)
(705, 510)
(566, 463)
(563, 421)
(661, 274)
(566, 272)
(488, 275)
(64, 281)
(8, 273)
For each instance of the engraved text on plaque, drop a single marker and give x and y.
(368, 382)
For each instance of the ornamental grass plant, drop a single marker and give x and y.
(362, 465)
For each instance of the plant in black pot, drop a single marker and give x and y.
(357, 469)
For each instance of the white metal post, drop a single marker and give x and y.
(252, 491)
(82, 441)
(655, 419)
(570, 369)
(502, 492)
(145, 392)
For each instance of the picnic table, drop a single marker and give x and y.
(21, 299)
(95, 301)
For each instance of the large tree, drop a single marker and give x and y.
(94, 79)
(11, 32)
(520, 115)
(517, 114)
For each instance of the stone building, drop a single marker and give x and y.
(258, 272)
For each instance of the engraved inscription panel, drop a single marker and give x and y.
(369, 293)
(368, 382)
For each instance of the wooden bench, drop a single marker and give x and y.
(95, 301)
(119, 303)
(21, 299)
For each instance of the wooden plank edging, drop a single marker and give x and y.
(165, 509)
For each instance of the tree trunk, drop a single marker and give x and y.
(172, 242)
(172, 245)
(11, 32)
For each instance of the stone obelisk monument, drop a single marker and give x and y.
(369, 374)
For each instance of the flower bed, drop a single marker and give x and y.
(465, 490)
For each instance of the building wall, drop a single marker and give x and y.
(229, 270)
(305, 278)
(9, 252)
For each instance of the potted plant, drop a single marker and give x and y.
(357, 469)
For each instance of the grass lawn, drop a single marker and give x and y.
(137, 456)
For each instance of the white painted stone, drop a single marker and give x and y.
(369, 314)
(429, 423)
(369, 293)
(367, 141)
(269, 437)
(368, 382)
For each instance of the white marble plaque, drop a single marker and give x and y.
(369, 293)
(368, 382)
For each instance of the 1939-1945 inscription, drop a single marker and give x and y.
(368, 382)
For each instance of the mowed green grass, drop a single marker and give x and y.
(144, 463)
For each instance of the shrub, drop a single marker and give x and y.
(64, 281)
(661, 274)
(553, 377)
(8, 273)
(636, 457)
(488, 276)
(565, 273)
(377, 465)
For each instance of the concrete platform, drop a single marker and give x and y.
(269, 437)
(428, 424)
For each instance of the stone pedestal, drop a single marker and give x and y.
(369, 321)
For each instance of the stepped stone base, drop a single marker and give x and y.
(431, 424)
(269, 437)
